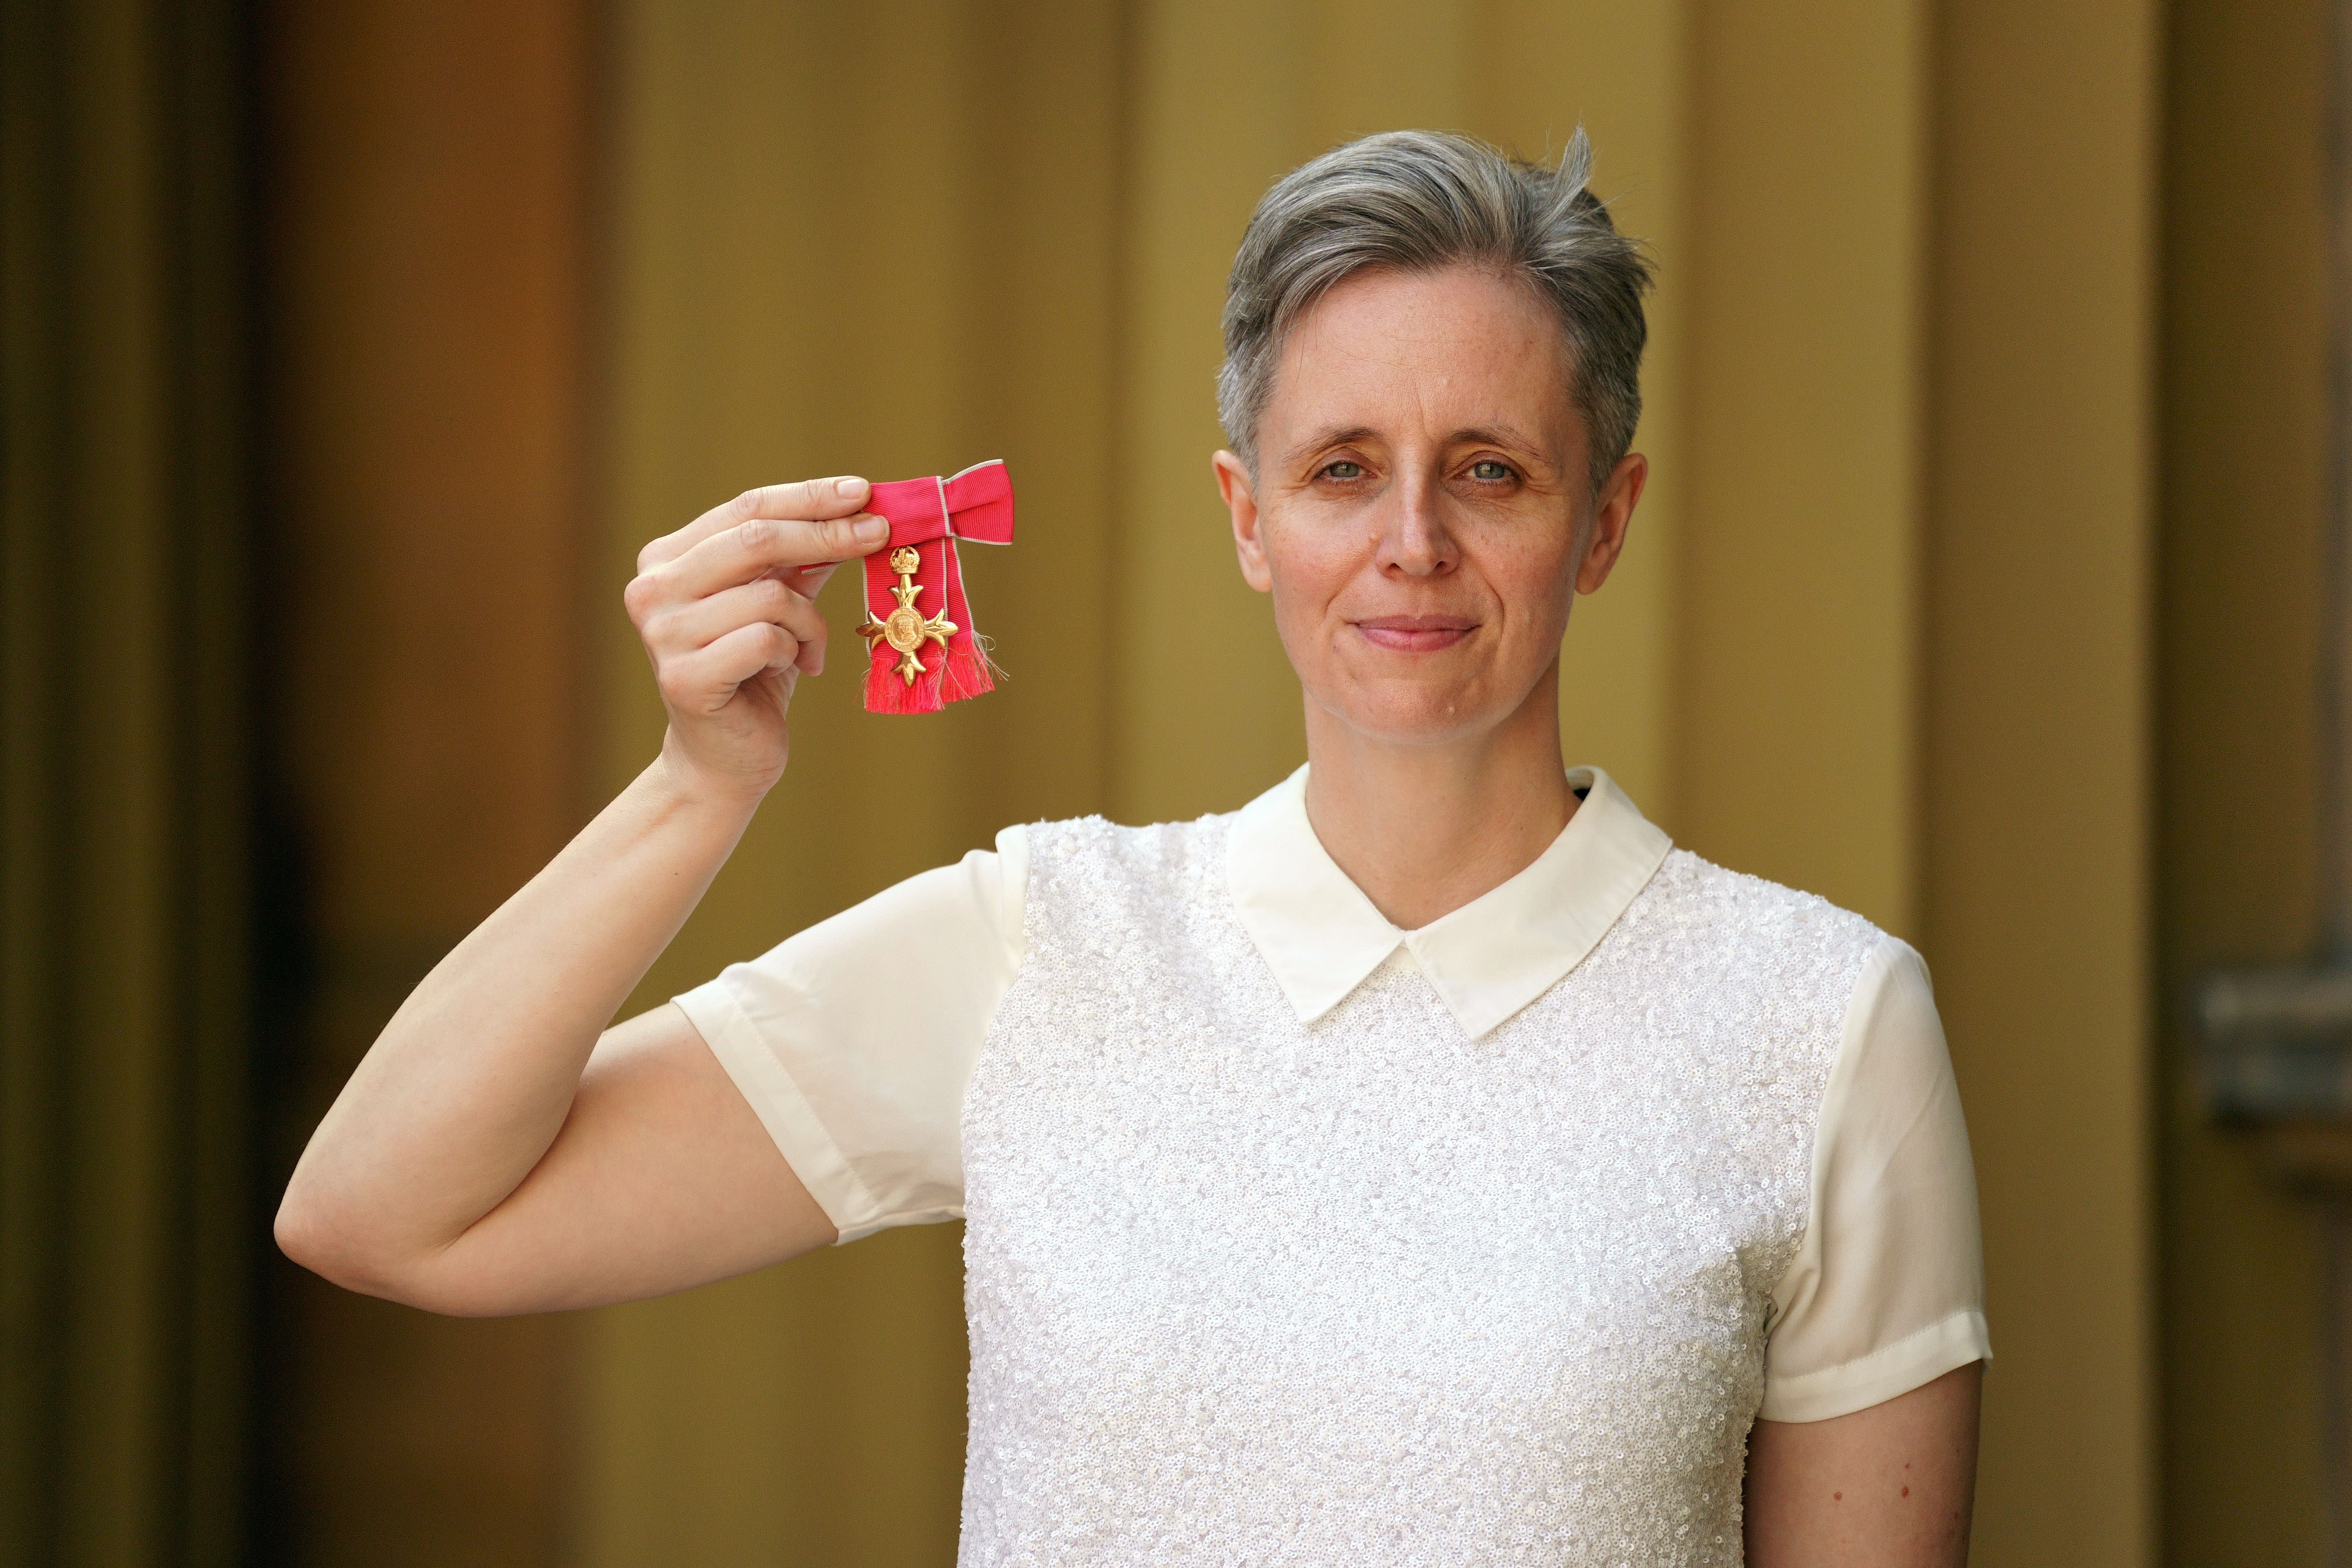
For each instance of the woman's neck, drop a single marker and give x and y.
(1423, 830)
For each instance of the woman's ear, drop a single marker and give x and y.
(1613, 513)
(1233, 484)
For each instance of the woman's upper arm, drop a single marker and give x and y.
(1866, 1450)
(1890, 1486)
(811, 1095)
(662, 1178)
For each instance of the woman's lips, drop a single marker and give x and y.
(1415, 634)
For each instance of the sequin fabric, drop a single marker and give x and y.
(1367, 1291)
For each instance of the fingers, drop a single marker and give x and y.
(802, 501)
(704, 681)
(727, 599)
(799, 553)
(763, 545)
(699, 623)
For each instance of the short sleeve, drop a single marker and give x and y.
(1887, 1288)
(855, 1043)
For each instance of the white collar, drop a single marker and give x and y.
(1321, 936)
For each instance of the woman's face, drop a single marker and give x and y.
(1422, 512)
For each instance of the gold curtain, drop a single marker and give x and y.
(426, 334)
(127, 1227)
(900, 237)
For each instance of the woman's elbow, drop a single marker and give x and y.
(309, 1231)
(313, 1231)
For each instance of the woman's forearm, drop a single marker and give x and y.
(472, 1078)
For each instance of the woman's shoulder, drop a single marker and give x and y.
(1749, 923)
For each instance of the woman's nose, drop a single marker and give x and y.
(1414, 538)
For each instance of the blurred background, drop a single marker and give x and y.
(351, 350)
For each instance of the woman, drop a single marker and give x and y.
(1425, 1164)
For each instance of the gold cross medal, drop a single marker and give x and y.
(921, 651)
(904, 628)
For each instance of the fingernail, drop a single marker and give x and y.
(872, 527)
(848, 486)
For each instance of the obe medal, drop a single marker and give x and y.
(905, 629)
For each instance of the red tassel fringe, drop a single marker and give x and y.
(886, 691)
(965, 672)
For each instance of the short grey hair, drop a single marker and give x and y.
(1418, 201)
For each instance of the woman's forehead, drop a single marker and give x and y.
(1392, 353)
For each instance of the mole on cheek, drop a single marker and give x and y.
(1837, 1496)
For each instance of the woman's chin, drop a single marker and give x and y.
(1417, 716)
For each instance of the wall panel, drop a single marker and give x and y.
(2244, 464)
(2035, 810)
(428, 316)
(1795, 707)
(126, 969)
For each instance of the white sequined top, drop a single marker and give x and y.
(1296, 1238)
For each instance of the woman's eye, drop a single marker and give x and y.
(1343, 469)
(1490, 469)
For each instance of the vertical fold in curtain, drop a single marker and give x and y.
(128, 1218)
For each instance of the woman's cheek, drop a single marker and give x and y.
(1539, 585)
(1304, 575)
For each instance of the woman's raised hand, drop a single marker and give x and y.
(726, 608)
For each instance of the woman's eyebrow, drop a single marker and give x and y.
(1496, 435)
(1330, 436)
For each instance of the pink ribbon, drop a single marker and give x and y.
(928, 516)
